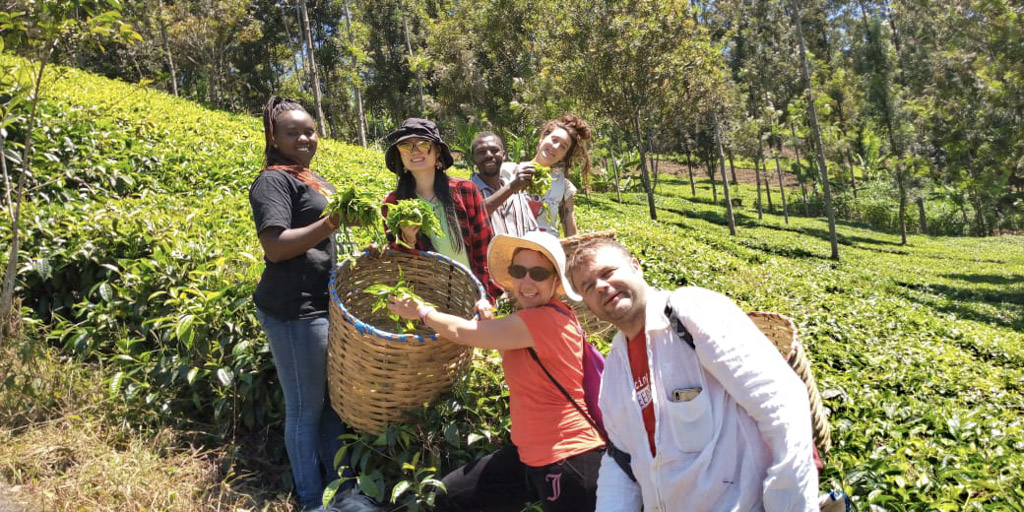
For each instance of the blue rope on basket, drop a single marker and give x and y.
(376, 376)
(366, 328)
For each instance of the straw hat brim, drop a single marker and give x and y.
(503, 247)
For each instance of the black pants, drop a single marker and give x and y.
(501, 482)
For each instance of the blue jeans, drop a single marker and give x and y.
(311, 428)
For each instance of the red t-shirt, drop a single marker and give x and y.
(642, 383)
(545, 426)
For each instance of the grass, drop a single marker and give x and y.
(918, 349)
(65, 445)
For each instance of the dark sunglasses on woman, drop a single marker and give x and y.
(536, 273)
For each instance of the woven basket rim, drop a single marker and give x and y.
(366, 328)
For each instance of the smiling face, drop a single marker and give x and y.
(612, 286)
(295, 136)
(488, 155)
(530, 293)
(553, 147)
(415, 159)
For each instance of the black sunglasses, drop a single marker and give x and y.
(536, 273)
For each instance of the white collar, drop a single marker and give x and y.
(654, 314)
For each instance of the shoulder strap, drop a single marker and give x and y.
(681, 329)
(620, 457)
(600, 431)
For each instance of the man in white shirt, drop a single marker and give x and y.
(710, 415)
(502, 186)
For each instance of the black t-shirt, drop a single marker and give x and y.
(295, 288)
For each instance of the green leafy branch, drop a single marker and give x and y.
(357, 208)
(401, 291)
(409, 213)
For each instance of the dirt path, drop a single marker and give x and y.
(747, 176)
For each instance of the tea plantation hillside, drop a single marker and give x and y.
(139, 258)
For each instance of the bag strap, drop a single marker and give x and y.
(619, 456)
(681, 329)
(533, 354)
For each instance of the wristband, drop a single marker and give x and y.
(423, 310)
(330, 223)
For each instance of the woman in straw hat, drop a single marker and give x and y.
(418, 155)
(556, 451)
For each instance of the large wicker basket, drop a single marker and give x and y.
(590, 323)
(781, 330)
(374, 375)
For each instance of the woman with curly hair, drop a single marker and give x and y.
(563, 143)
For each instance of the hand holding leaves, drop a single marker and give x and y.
(401, 291)
(541, 182)
(410, 213)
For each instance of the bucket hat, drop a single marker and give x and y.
(420, 128)
(503, 247)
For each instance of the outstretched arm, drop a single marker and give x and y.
(505, 333)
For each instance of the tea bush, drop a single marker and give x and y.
(140, 256)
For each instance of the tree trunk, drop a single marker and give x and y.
(902, 187)
(725, 179)
(361, 116)
(654, 161)
(782, 185)
(923, 218)
(757, 180)
(799, 164)
(167, 47)
(732, 168)
(711, 164)
(408, 48)
(823, 169)
(644, 172)
(689, 167)
(853, 176)
(321, 123)
(11, 271)
(299, 72)
(767, 176)
(615, 169)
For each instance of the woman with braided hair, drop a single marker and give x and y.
(563, 143)
(291, 298)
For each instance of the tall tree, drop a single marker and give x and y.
(815, 130)
(41, 29)
(314, 73)
(642, 72)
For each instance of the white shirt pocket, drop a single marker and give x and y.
(691, 422)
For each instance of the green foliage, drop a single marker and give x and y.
(143, 271)
(413, 213)
(357, 208)
(541, 181)
(400, 291)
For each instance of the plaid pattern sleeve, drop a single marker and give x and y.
(476, 230)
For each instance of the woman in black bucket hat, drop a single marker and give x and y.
(418, 155)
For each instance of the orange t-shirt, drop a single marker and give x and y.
(641, 368)
(545, 426)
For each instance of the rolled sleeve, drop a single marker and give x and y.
(615, 491)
